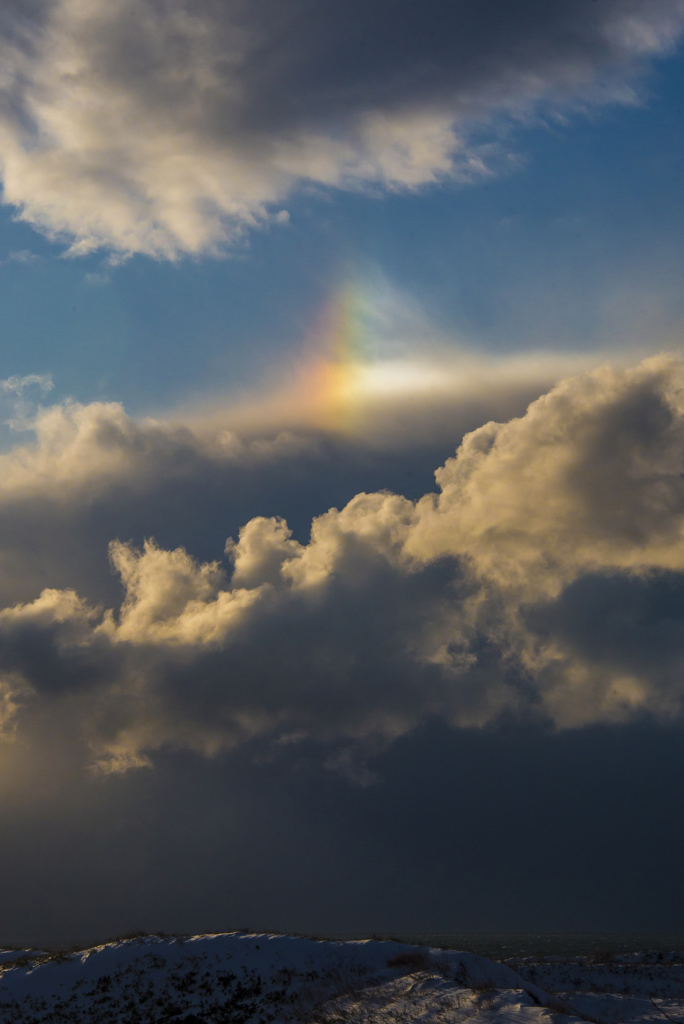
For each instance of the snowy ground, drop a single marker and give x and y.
(254, 979)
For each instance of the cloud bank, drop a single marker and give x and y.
(166, 127)
(544, 581)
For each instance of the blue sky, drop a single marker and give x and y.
(576, 246)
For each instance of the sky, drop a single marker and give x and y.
(341, 466)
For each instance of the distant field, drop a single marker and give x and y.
(501, 945)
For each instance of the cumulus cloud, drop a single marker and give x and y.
(92, 473)
(167, 127)
(544, 580)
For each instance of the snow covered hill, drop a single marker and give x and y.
(254, 979)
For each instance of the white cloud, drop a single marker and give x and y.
(24, 408)
(17, 385)
(22, 256)
(167, 127)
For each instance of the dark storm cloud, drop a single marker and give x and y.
(165, 127)
(303, 62)
(496, 668)
(628, 623)
(313, 62)
(540, 583)
(506, 830)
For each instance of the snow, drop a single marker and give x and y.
(239, 978)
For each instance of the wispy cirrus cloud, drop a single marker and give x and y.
(19, 391)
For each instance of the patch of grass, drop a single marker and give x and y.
(412, 961)
(415, 961)
(486, 985)
(604, 956)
